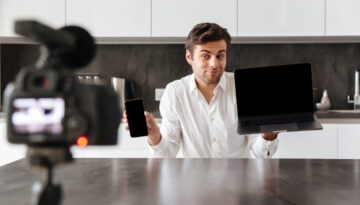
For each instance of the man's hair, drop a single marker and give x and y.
(206, 32)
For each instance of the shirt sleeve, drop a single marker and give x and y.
(170, 127)
(262, 148)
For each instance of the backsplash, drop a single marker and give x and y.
(153, 66)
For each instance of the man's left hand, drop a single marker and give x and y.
(270, 136)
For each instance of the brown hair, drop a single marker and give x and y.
(206, 32)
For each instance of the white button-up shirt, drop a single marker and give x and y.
(200, 129)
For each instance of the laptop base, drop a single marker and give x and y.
(286, 127)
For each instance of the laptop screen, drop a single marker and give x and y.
(274, 90)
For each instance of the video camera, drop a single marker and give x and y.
(49, 110)
(47, 106)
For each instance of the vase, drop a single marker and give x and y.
(325, 103)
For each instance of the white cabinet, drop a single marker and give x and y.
(127, 147)
(176, 18)
(320, 144)
(281, 17)
(111, 18)
(9, 152)
(349, 141)
(127, 142)
(334, 141)
(50, 12)
(342, 17)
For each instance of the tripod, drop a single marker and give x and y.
(45, 192)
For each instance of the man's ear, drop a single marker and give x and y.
(188, 57)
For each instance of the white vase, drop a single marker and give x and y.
(325, 103)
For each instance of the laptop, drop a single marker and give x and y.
(275, 99)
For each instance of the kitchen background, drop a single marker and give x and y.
(143, 41)
(153, 66)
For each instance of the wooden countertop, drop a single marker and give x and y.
(324, 117)
(193, 181)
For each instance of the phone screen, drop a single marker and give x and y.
(136, 118)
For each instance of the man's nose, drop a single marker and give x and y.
(214, 62)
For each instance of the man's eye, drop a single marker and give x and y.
(220, 56)
(205, 56)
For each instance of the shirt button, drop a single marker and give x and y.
(211, 119)
(214, 139)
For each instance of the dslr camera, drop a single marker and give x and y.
(47, 106)
(49, 109)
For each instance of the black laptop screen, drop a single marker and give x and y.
(274, 90)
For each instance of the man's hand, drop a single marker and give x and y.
(270, 136)
(154, 136)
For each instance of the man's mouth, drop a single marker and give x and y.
(213, 72)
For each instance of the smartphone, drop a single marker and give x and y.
(136, 118)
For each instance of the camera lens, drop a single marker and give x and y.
(40, 81)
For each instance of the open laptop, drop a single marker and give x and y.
(275, 99)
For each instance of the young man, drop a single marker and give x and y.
(199, 112)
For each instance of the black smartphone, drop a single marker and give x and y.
(136, 118)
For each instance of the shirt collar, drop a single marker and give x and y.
(192, 84)
(193, 87)
(222, 82)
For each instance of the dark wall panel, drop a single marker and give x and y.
(153, 66)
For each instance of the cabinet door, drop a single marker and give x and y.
(177, 17)
(111, 18)
(125, 141)
(127, 147)
(50, 12)
(349, 141)
(9, 152)
(281, 18)
(342, 17)
(321, 144)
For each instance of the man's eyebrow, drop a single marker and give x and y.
(205, 51)
(221, 51)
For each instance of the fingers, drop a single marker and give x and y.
(125, 117)
(270, 136)
(150, 121)
(271, 133)
(125, 121)
(154, 135)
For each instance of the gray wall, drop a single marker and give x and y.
(153, 66)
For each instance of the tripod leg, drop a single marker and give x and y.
(50, 195)
(47, 193)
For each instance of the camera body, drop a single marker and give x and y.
(47, 106)
(51, 107)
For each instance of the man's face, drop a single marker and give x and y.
(208, 61)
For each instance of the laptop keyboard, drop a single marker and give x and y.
(277, 120)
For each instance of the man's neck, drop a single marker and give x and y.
(207, 90)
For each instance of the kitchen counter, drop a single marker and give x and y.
(193, 181)
(350, 114)
(324, 117)
(328, 117)
(2, 117)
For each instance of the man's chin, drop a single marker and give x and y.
(213, 80)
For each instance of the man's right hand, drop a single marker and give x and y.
(154, 135)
